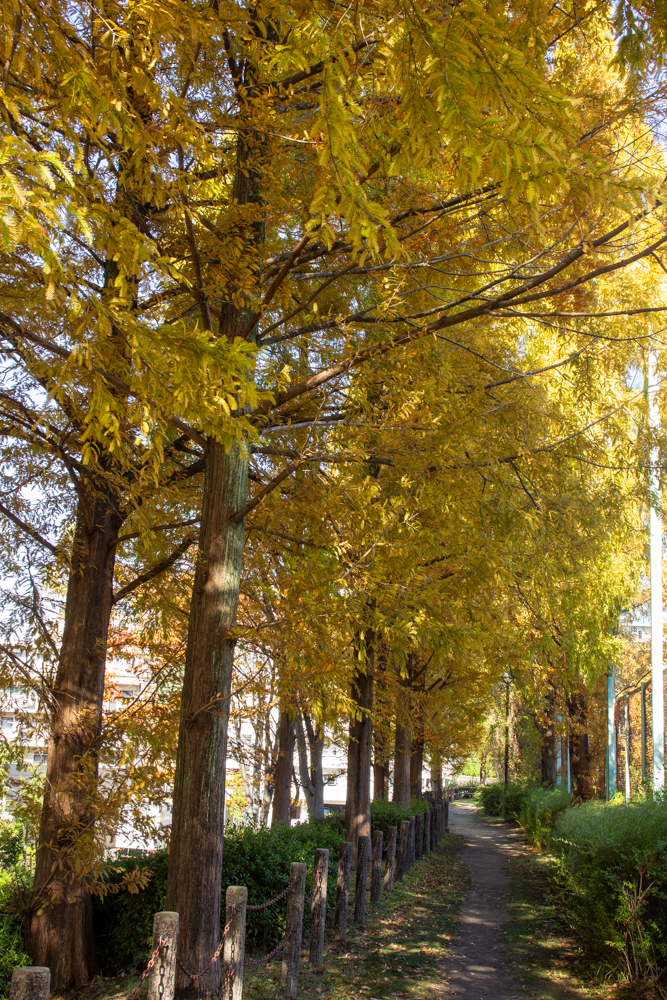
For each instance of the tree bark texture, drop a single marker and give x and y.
(311, 774)
(358, 801)
(436, 778)
(402, 746)
(580, 758)
(60, 929)
(195, 859)
(417, 764)
(548, 753)
(282, 781)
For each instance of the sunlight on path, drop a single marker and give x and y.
(475, 969)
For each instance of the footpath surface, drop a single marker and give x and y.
(474, 969)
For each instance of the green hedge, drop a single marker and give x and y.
(613, 877)
(539, 810)
(500, 800)
(259, 860)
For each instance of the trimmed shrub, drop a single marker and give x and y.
(259, 860)
(613, 877)
(498, 800)
(538, 813)
(385, 814)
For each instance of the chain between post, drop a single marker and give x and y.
(151, 962)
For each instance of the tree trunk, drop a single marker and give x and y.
(548, 755)
(60, 930)
(380, 765)
(417, 763)
(580, 758)
(379, 781)
(402, 751)
(195, 858)
(282, 791)
(311, 775)
(358, 802)
(436, 776)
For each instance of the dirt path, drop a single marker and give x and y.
(475, 968)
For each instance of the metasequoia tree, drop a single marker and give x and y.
(265, 199)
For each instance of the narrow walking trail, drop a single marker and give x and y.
(475, 969)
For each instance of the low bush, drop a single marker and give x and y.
(538, 813)
(12, 953)
(385, 814)
(259, 860)
(613, 877)
(500, 800)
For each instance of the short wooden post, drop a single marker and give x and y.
(363, 853)
(434, 826)
(418, 837)
(318, 909)
(289, 978)
(343, 890)
(388, 881)
(376, 871)
(31, 982)
(427, 831)
(234, 947)
(162, 977)
(411, 845)
(402, 849)
(447, 814)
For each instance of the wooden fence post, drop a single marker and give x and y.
(343, 890)
(162, 977)
(363, 852)
(434, 826)
(318, 909)
(31, 982)
(234, 947)
(427, 831)
(402, 849)
(376, 871)
(289, 978)
(388, 881)
(411, 845)
(447, 814)
(419, 837)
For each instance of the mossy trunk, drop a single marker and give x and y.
(59, 930)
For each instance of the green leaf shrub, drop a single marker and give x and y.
(260, 860)
(498, 800)
(613, 876)
(385, 814)
(12, 953)
(538, 813)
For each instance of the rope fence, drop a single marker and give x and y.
(418, 836)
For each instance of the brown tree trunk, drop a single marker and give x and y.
(436, 776)
(195, 857)
(358, 801)
(548, 755)
(580, 758)
(282, 791)
(417, 761)
(402, 747)
(379, 781)
(60, 931)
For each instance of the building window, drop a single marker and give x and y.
(8, 722)
(39, 758)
